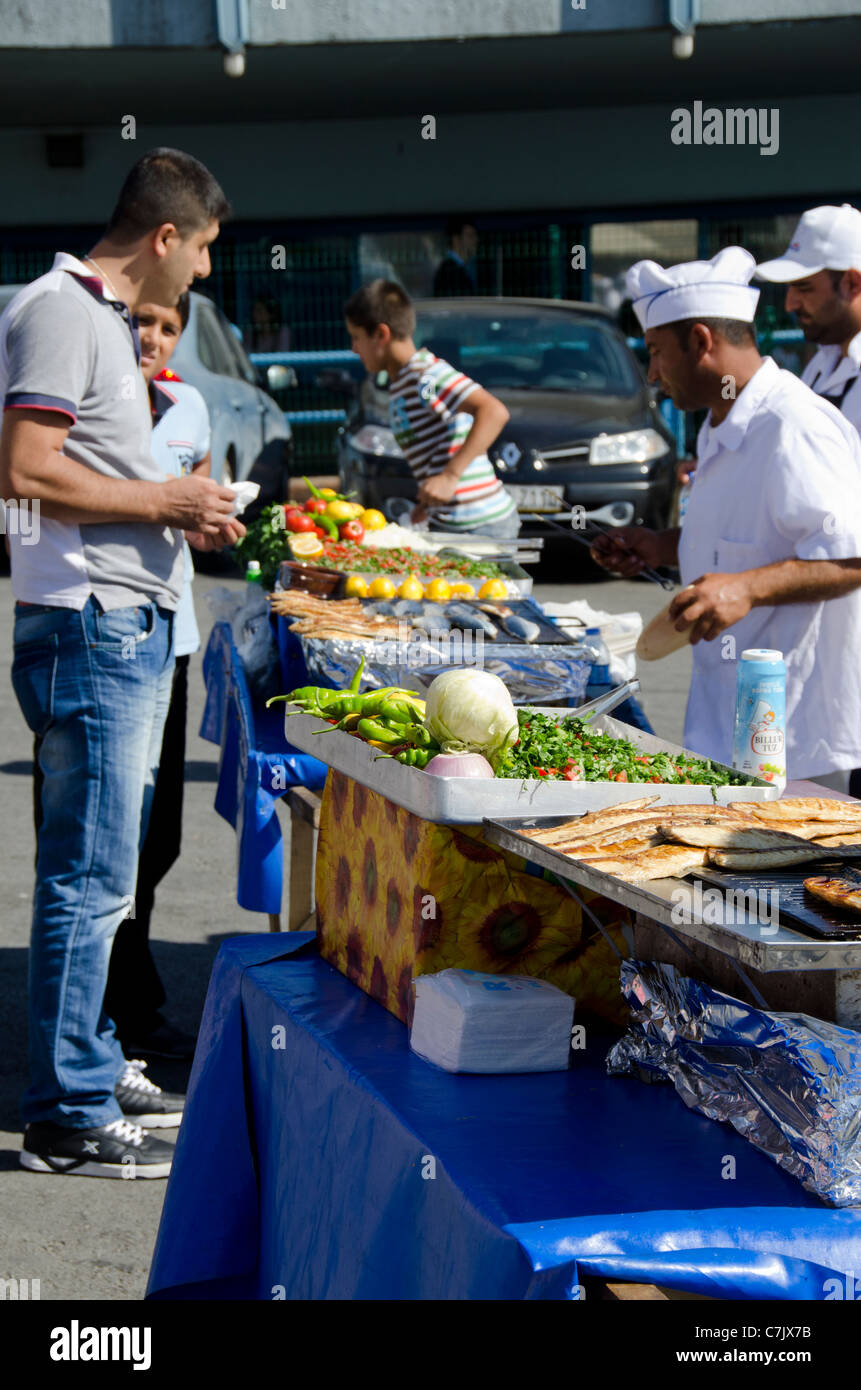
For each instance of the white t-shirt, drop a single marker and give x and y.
(838, 378)
(779, 477)
(180, 439)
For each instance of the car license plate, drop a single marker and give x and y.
(546, 498)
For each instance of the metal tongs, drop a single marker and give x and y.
(595, 528)
(604, 703)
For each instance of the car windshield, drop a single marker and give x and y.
(531, 351)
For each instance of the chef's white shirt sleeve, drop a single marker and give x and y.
(818, 507)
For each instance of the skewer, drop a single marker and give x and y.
(573, 535)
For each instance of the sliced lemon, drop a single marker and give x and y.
(411, 588)
(493, 589)
(381, 587)
(356, 587)
(438, 591)
(305, 547)
(372, 520)
(462, 590)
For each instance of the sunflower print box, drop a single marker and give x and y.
(399, 897)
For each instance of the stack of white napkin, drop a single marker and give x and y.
(467, 1021)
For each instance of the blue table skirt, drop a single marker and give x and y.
(304, 1159)
(256, 767)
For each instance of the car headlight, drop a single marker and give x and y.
(636, 446)
(376, 439)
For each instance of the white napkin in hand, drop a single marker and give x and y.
(465, 1020)
(245, 494)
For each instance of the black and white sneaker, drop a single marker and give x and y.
(144, 1102)
(117, 1150)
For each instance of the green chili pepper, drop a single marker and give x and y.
(371, 729)
(319, 695)
(415, 757)
(314, 491)
(357, 675)
(398, 711)
(328, 525)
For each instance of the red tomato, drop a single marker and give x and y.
(572, 774)
(621, 777)
(320, 533)
(351, 531)
(316, 505)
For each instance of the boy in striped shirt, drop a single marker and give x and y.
(442, 420)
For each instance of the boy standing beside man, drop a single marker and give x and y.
(442, 420)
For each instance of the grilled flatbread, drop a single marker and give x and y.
(665, 861)
(711, 833)
(840, 892)
(840, 841)
(664, 815)
(741, 859)
(595, 820)
(801, 808)
(603, 849)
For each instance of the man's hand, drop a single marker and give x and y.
(418, 514)
(713, 602)
(196, 503)
(439, 488)
(626, 550)
(228, 535)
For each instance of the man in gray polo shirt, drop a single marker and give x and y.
(94, 639)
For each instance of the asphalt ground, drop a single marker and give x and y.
(85, 1238)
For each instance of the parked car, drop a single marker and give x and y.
(250, 436)
(584, 427)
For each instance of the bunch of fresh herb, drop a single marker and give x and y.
(571, 749)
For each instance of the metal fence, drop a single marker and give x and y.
(285, 291)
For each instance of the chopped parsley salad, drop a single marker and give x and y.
(346, 555)
(571, 750)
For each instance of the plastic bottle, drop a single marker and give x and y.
(599, 678)
(253, 574)
(759, 740)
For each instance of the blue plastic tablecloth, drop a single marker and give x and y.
(320, 1159)
(256, 767)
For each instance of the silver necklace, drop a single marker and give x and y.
(107, 279)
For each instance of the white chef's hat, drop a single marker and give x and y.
(718, 289)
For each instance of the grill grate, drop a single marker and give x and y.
(797, 907)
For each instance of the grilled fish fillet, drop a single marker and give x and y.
(740, 859)
(714, 834)
(841, 892)
(801, 808)
(665, 861)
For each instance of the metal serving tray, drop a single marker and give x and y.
(679, 903)
(467, 800)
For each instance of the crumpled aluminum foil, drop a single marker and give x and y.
(789, 1083)
(547, 674)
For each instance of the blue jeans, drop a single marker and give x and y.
(94, 687)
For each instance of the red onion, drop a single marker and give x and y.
(459, 765)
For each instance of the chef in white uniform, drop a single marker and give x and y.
(773, 524)
(821, 269)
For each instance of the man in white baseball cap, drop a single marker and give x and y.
(821, 269)
(773, 523)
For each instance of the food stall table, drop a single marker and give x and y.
(319, 1158)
